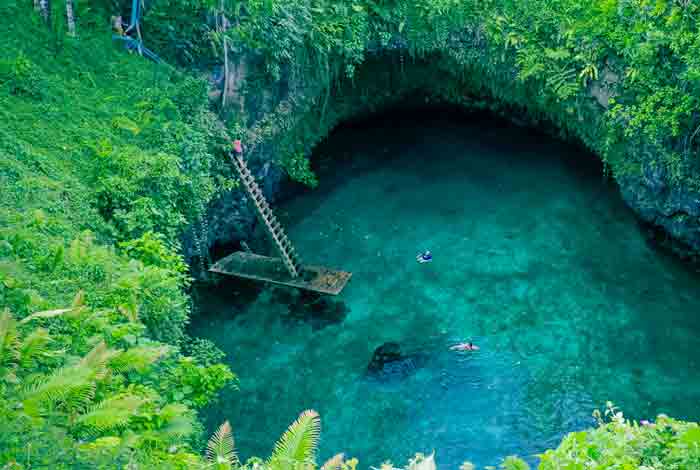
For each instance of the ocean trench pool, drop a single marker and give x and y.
(536, 259)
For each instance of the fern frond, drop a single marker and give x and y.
(179, 427)
(70, 388)
(173, 410)
(97, 359)
(564, 83)
(137, 359)
(33, 346)
(110, 414)
(178, 422)
(334, 463)
(130, 311)
(299, 442)
(220, 448)
(9, 346)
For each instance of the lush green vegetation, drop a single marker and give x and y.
(105, 159)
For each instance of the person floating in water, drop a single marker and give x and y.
(465, 347)
(425, 257)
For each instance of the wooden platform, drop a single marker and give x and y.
(266, 269)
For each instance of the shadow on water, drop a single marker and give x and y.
(536, 259)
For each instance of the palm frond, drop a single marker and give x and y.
(334, 463)
(220, 448)
(46, 314)
(299, 442)
(110, 414)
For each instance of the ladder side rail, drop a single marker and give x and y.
(272, 225)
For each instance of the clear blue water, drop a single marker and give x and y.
(536, 259)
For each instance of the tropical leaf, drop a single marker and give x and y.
(137, 359)
(299, 442)
(557, 54)
(110, 414)
(220, 448)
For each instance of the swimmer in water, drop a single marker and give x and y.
(425, 257)
(465, 347)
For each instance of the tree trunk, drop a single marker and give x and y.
(226, 74)
(45, 10)
(70, 17)
(223, 27)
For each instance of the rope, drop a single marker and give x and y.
(135, 15)
(137, 44)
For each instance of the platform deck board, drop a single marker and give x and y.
(273, 270)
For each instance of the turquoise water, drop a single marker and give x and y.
(536, 259)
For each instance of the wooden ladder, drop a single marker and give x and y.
(273, 227)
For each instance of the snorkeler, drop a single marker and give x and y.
(425, 257)
(465, 347)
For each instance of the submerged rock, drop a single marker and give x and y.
(389, 362)
(315, 309)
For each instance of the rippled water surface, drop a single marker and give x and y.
(536, 259)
